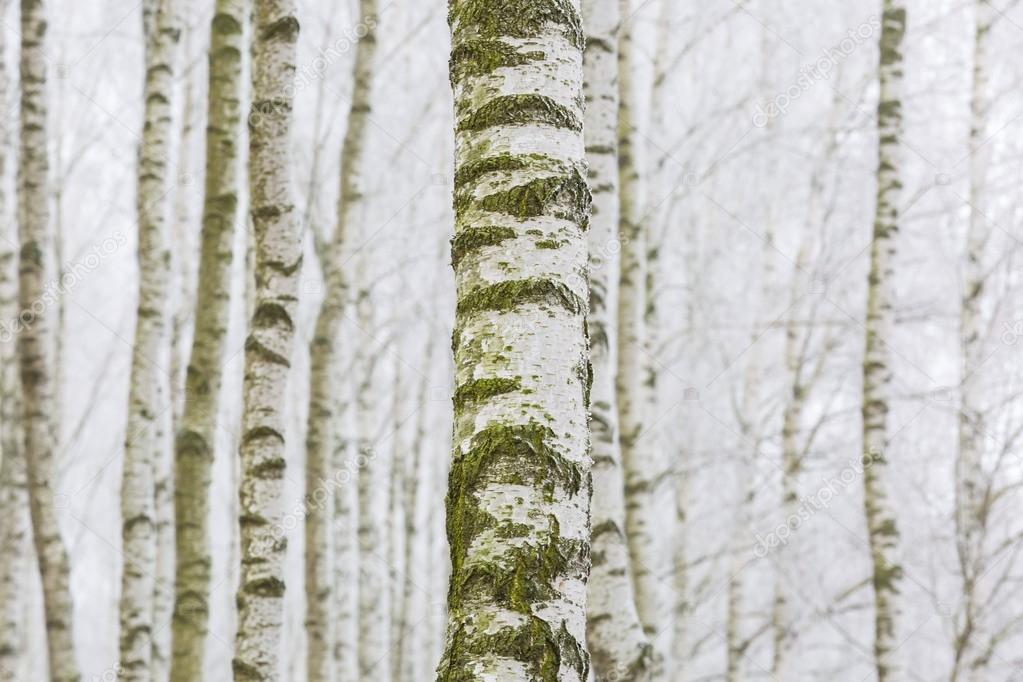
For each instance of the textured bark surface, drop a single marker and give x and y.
(144, 446)
(973, 495)
(640, 459)
(880, 323)
(35, 341)
(324, 384)
(196, 434)
(615, 635)
(268, 348)
(14, 522)
(519, 487)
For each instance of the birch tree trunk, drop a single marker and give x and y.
(14, 557)
(640, 461)
(345, 601)
(35, 342)
(268, 348)
(183, 280)
(617, 642)
(972, 494)
(323, 396)
(880, 323)
(144, 442)
(519, 487)
(410, 640)
(196, 434)
(374, 573)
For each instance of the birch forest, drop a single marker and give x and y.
(511, 340)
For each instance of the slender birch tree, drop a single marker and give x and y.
(14, 522)
(519, 487)
(973, 496)
(35, 342)
(409, 642)
(880, 323)
(142, 450)
(374, 573)
(617, 642)
(641, 463)
(278, 262)
(196, 435)
(324, 353)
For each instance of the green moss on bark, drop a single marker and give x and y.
(505, 296)
(479, 57)
(520, 109)
(561, 196)
(544, 649)
(514, 18)
(475, 392)
(473, 238)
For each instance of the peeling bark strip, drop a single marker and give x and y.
(519, 488)
(144, 440)
(619, 646)
(329, 647)
(278, 260)
(194, 442)
(35, 341)
(880, 323)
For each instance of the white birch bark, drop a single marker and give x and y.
(324, 399)
(615, 635)
(196, 432)
(641, 462)
(877, 377)
(268, 348)
(972, 494)
(144, 444)
(35, 341)
(518, 497)
(183, 280)
(410, 640)
(345, 545)
(374, 639)
(14, 523)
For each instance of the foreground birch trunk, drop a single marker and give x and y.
(196, 435)
(35, 342)
(618, 644)
(518, 497)
(278, 261)
(973, 496)
(142, 450)
(880, 323)
(323, 389)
